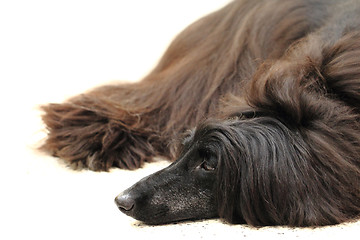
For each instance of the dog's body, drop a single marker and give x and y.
(281, 82)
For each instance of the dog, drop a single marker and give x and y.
(258, 103)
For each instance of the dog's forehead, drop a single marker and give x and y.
(195, 140)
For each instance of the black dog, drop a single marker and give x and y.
(272, 91)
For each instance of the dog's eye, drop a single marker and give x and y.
(209, 161)
(206, 166)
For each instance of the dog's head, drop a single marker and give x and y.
(184, 190)
(235, 169)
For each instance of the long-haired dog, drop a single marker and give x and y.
(270, 90)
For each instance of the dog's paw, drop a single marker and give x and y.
(84, 139)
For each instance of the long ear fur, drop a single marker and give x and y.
(270, 175)
(301, 167)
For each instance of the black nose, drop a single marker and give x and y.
(125, 203)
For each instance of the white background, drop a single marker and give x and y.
(50, 50)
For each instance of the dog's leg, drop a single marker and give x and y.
(88, 131)
(125, 125)
(128, 124)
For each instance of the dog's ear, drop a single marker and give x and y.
(271, 175)
(314, 92)
(257, 179)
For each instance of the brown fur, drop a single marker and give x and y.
(297, 61)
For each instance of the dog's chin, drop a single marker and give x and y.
(171, 221)
(163, 216)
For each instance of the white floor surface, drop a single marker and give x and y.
(50, 50)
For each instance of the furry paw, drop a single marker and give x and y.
(84, 138)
